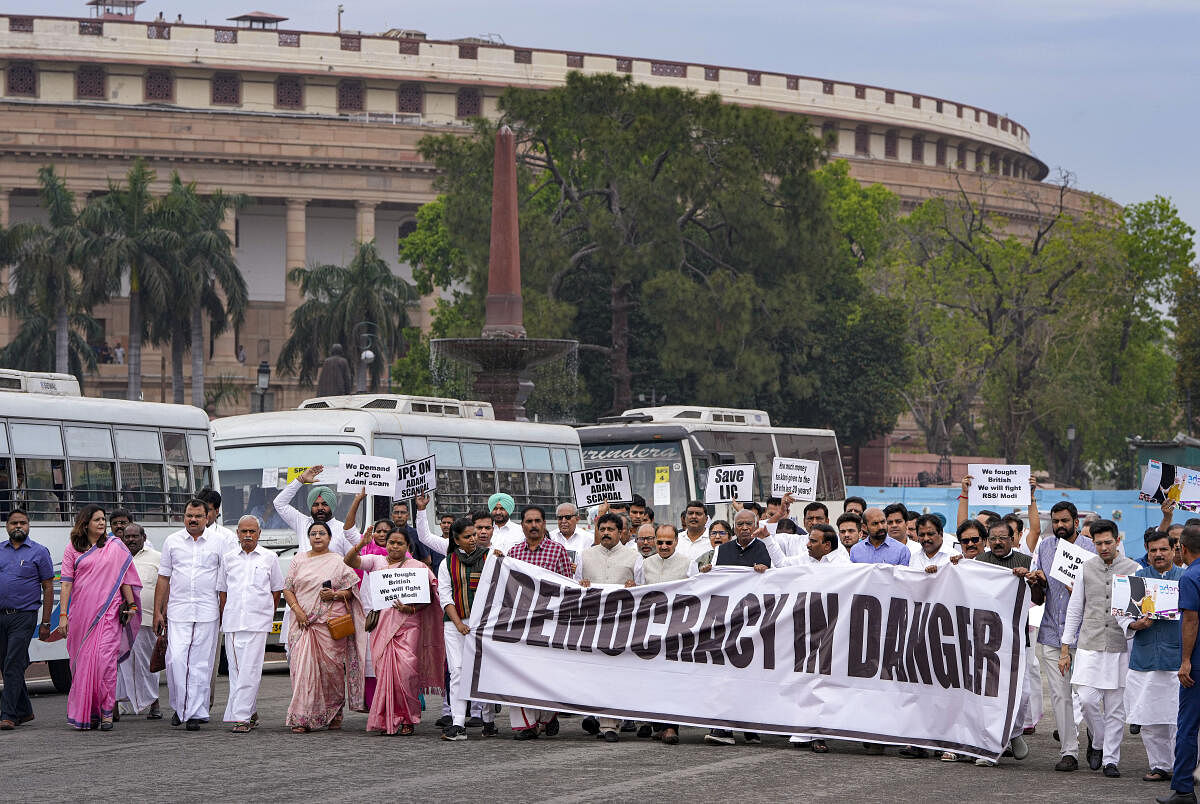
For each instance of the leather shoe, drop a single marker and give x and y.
(1177, 798)
(193, 724)
(551, 727)
(175, 721)
(1067, 763)
(590, 725)
(611, 736)
(24, 719)
(1112, 771)
(1095, 757)
(645, 731)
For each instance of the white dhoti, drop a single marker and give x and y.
(522, 719)
(190, 650)
(457, 704)
(137, 687)
(244, 654)
(1152, 701)
(1099, 680)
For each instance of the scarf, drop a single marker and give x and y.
(465, 571)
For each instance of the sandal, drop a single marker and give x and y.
(299, 729)
(406, 730)
(1157, 775)
(241, 728)
(819, 747)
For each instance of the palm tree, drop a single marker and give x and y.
(207, 281)
(33, 347)
(336, 299)
(127, 235)
(46, 276)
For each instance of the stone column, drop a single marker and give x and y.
(364, 229)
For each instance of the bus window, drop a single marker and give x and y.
(175, 446)
(480, 486)
(37, 439)
(558, 459)
(41, 487)
(476, 455)
(562, 487)
(537, 458)
(574, 463)
(389, 448)
(415, 447)
(512, 483)
(508, 456)
(541, 488)
(745, 447)
(444, 452)
(817, 448)
(138, 445)
(179, 490)
(6, 485)
(93, 482)
(450, 487)
(142, 489)
(89, 442)
(204, 477)
(3, 438)
(198, 446)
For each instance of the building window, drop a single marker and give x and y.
(575, 61)
(288, 39)
(916, 101)
(468, 51)
(624, 65)
(159, 86)
(891, 143)
(157, 30)
(793, 82)
(862, 141)
(89, 82)
(992, 119)
(754, 79)
(829, 134)
(860, 92)
(712, 73)
(226, 89)
(889, 96)
(939, 107)
(20, 24)
(918, 148)
(960, 110)
(1004, 125)
(960, 161)
(976, 115)
(522, 57)
(940, 153)
(993, 162)
(410, 47)
(91, 28)
(827, 87)
(21, 79)
(668, 69)
(410, 99)
(1007, 169)
(468, 103)
(225, 36)
(351, 43)
(351, 96)
(289, 92)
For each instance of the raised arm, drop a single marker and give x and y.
(353, 559)
(434, 541)
(283, 500)
(963, 508)
(1035, 519)
(351, 521)
(1168, 513)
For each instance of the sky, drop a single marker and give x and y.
(1107, 88)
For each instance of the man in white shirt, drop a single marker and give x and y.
(693, 540)
(137, 687)
(249, 583)
(823, 548)
(322, 501)
(571, 536)
(932, 554)
(505, 532)
(185, 603)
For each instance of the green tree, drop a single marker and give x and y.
(34, 345)
(336, 299)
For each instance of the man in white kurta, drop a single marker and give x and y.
(505, 532)
(185, 603)
(249, 585)
(571, 535)
(137, 687)
(1102, 653)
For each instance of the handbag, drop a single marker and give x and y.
(372, 621)
(341, 626)
(158, 657)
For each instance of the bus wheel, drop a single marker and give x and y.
(60, 674)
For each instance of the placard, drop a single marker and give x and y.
(602, 484)
(378, 475)
(409, 585)
(415, 478)
(1166, 481)
(1134, 596)
(729, 482)
(1068, 558)
(999, 484)
(794, 476)
(270, 478)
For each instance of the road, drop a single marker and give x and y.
(141, 760)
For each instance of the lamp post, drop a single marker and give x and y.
(1070, 452)
(263, 382)
(367, 335)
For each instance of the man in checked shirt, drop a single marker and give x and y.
(548, 554)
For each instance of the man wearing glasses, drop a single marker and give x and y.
(571, 536)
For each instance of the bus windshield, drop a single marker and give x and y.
(243, 469)
(656, 471)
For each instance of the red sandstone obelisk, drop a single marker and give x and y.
(504, 316)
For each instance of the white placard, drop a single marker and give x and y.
(729, 482)
(662, 494)
(794, 476)
(1165, 481)
(998, 484)
(601, 484)
(415, 478)
(409, 585)
(270, 478)
(1068, 558)
(1135, 596)
(378, 475)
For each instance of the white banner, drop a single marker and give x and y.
(415, 478)
(729, 483)
(378, 475)
(794, 476)
(999, 484)
(408, 585)
(602, 484)
(863, 652)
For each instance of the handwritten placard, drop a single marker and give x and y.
(378, 475)
(1068, 558)
(415, 478)
(729, 483)
(408, 585)
(998, 484)
(794, 476)
(602, 484)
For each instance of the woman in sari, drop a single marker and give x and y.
(99, 588)
(376, 547)
(406, 644)
(327, 673)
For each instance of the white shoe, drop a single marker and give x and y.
(1020, 749)
(985, 763)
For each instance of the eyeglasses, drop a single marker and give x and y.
(718, 533)
(568, 516)
(970, 540)
(665, 544)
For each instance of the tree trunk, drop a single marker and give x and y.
(62, 337)
(619, 357)
(198, 356)
(134, 388)
(177, 368)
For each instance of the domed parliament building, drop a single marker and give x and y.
(320, 131)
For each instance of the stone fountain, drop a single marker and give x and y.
(501, 359)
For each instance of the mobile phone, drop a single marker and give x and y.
(327, 584)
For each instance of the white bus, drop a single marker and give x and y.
(670, 448)
(60, 451)
(476, 455)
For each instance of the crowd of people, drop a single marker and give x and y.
(127, 608)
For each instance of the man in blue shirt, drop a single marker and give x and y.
(25, 571)
(1182, 783)
(878, 547)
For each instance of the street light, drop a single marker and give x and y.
(367, 335)
(264, 381)
(1070, 451)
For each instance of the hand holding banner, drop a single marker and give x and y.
(727, 483)
(999, 484)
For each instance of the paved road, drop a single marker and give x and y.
(149, 761)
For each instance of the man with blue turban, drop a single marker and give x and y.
(505, 532)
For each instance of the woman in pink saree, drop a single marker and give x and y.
(406, 644)
(376, 547)
(327, 673)
(99, 588)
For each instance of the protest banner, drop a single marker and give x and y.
(378, 475)
(999, 484)
(1068, 558)
(729, 482)
(862, 652)
(794, 476)
(601, 484)
(1156, 598)
(1166, 481)
(408, 585)
(415, 478)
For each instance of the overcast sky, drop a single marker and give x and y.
(1107, 88)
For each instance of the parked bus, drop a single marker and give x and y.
(60, 451)
(670, 448)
